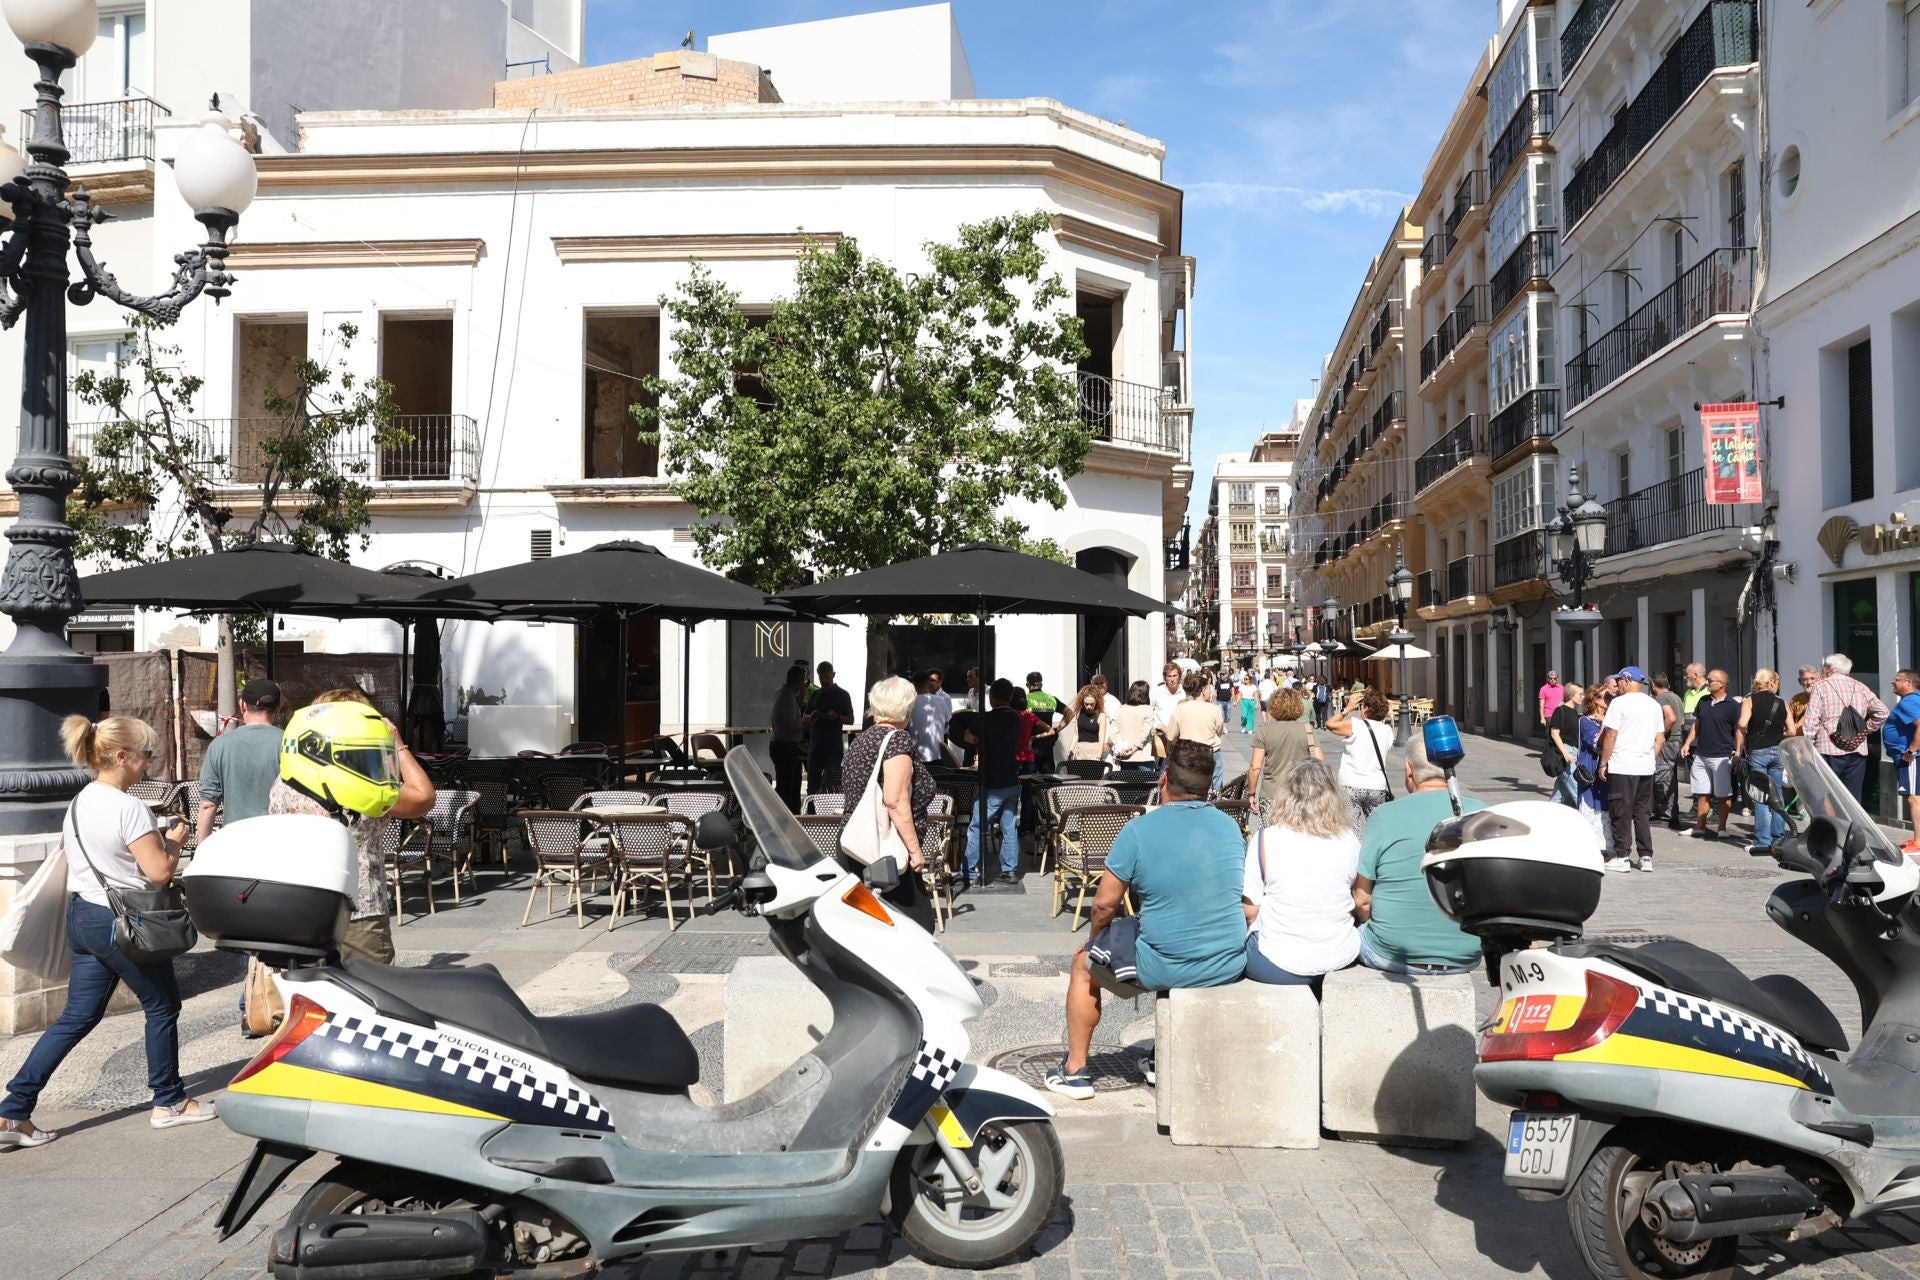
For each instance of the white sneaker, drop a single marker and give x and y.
(1644, 864)
(192, 1111)
(1619, 865)
(1144, 1064)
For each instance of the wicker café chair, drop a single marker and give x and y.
(448, 832)
(402, 847)
(1086, 838)
(566, 849)
(1055, 801)
(1241, 811)
(654, 851)
(824, 830)
(610, 800)
(559, 790)
(941, 871)
(1091, 770)
(824, 802)
(187, 797)
(693, 805)
(493, 816)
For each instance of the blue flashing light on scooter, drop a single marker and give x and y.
(1442, 739)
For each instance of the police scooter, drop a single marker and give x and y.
(473, 1135)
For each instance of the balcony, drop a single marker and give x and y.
(1466, 576)
(1469, 313)
(1534, 416)
(1245, 591)
(1726, 34)
(1391, 410)
(1471, 194)
(234, 452)
(105, 132)
(1534, 119)
(1719, 284)
(1666, 512)
(1533, 259)
(1467, 316)
(1434, 252)
(1581, 28)
(1467, 441)
(1521, 559)
(1130, 414)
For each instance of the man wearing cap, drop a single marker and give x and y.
(1630, 739)
(244, 762)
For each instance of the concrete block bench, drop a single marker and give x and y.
(1238, 1066)
(1397, 1057)
(774, 1017)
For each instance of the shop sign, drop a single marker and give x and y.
(1732, 451)
(1898, 534)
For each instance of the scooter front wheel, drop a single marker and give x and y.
(1603, 1209)
(1021, 1172)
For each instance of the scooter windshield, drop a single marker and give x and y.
(1821, 795)
(780, 835)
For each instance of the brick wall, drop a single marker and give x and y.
(678, 79)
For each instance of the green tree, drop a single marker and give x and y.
(156, 483)
(876, 415)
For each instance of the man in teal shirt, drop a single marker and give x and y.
(1184, 861)
(1402, 930)
(243, 763)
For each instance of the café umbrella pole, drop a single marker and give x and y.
(980, 725)
(686, 689)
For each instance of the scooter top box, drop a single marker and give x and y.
(1530, 869)
(281, 885)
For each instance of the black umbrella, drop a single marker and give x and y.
(984, 579)
(622, 579)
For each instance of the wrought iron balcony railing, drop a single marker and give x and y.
(105, 132)
(1469, 195)
(1726, 34)
(1467, 441)
(1580, 31)
(1521, 559)
(1534, 258)
(1434, 252)
(1534, 416)
(1466, 576)
(1533, 119)
(235, 452)
(1666, 512)
(1130, 413)
(1719, 284)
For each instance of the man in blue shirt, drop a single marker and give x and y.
(1898, 735)
(829, 712)
(1184, 862)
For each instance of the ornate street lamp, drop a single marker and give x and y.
(1400, 587)
(1330, 614)
(42, 680)
(1579, 536)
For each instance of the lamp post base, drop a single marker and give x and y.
(37, 692)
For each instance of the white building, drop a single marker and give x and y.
(1250, 505)
(505, 267)
(1840, 315)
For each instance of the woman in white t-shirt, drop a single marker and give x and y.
(1298, 887)
(109, 835)
(1363, 761)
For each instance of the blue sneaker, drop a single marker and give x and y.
(1072, 1084)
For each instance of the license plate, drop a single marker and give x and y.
(1539, 1146)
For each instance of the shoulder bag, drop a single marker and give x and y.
(1374, 738)
(869, 834)
(33, 932)
(149, 925)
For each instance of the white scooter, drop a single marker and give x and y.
(473, 1135)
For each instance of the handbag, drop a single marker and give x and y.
(33, 933)
(869, 834)
(265, 1009)
(149, 925)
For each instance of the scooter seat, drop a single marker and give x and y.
(637, 1046)
(1786, 1002)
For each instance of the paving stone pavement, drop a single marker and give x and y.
(114, 1198)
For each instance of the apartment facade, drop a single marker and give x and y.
(1840, 311)
(1658, 143)
(1247, 536)
(505, 268)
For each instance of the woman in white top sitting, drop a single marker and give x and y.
(1298, 889)
(108, 829)
(1363, 762)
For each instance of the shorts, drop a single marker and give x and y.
(1908, 774)
(1712, 776)
(1111, 958)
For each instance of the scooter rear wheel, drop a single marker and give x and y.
(1603, 1209)
(1022, 1172)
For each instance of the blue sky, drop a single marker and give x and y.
(1296, 127)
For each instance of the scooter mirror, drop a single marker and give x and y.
(883, 873)
(713, 831)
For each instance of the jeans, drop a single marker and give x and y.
(786, 773)
(98, 967)
(1003, 806)
(1219, 767)
(1769, 824)
(1261, 969)
(1566, 791)
(1630, 806)
(1851, 770)
(1373, 958)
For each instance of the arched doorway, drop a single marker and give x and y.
(1102, 642)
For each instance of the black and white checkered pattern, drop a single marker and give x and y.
(426, 1050)
(935, 1067)
(1718, 1017)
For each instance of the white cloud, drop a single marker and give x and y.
(1368, 201)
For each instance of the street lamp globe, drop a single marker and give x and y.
(73, 25)
(1401, 584)
(12, 163)
(1330, 609)
(1590, 527)
(212, 169)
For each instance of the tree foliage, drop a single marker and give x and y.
(156, 482)
(876, 415)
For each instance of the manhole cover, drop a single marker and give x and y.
(703, 952)
(1113, 1068)
(1042, 968)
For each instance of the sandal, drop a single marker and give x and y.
(192, 1111)
(22, 1133)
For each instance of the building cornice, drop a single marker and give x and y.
(282, 255)
(711, 248)
(745, 164)
(1902, 238)
(1091, 235)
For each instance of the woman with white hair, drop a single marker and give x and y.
(906, 787)
(1298, 886)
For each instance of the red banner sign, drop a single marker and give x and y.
(1732, 451)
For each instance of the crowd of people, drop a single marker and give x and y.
(1618, 750)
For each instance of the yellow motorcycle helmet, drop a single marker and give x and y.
(343, 755)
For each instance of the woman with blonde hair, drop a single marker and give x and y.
(1764, 721)
(1298, 887)
(1282, 741)
(1086, 731)
(111, 840)
(906, 787)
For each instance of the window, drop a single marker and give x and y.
(1242, 575)
(1677, 250)
(1516, 499)
(1241, 492)
(1737, 203)
(416, 356)
(1910, 39)
(270, 354)
(1546, 370)
(1623, 473)
(1242, 532)
(116, 66)
(621, 349)
(1676, 453)
(1860, 421)
(1275, 585)
(1243, 624)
